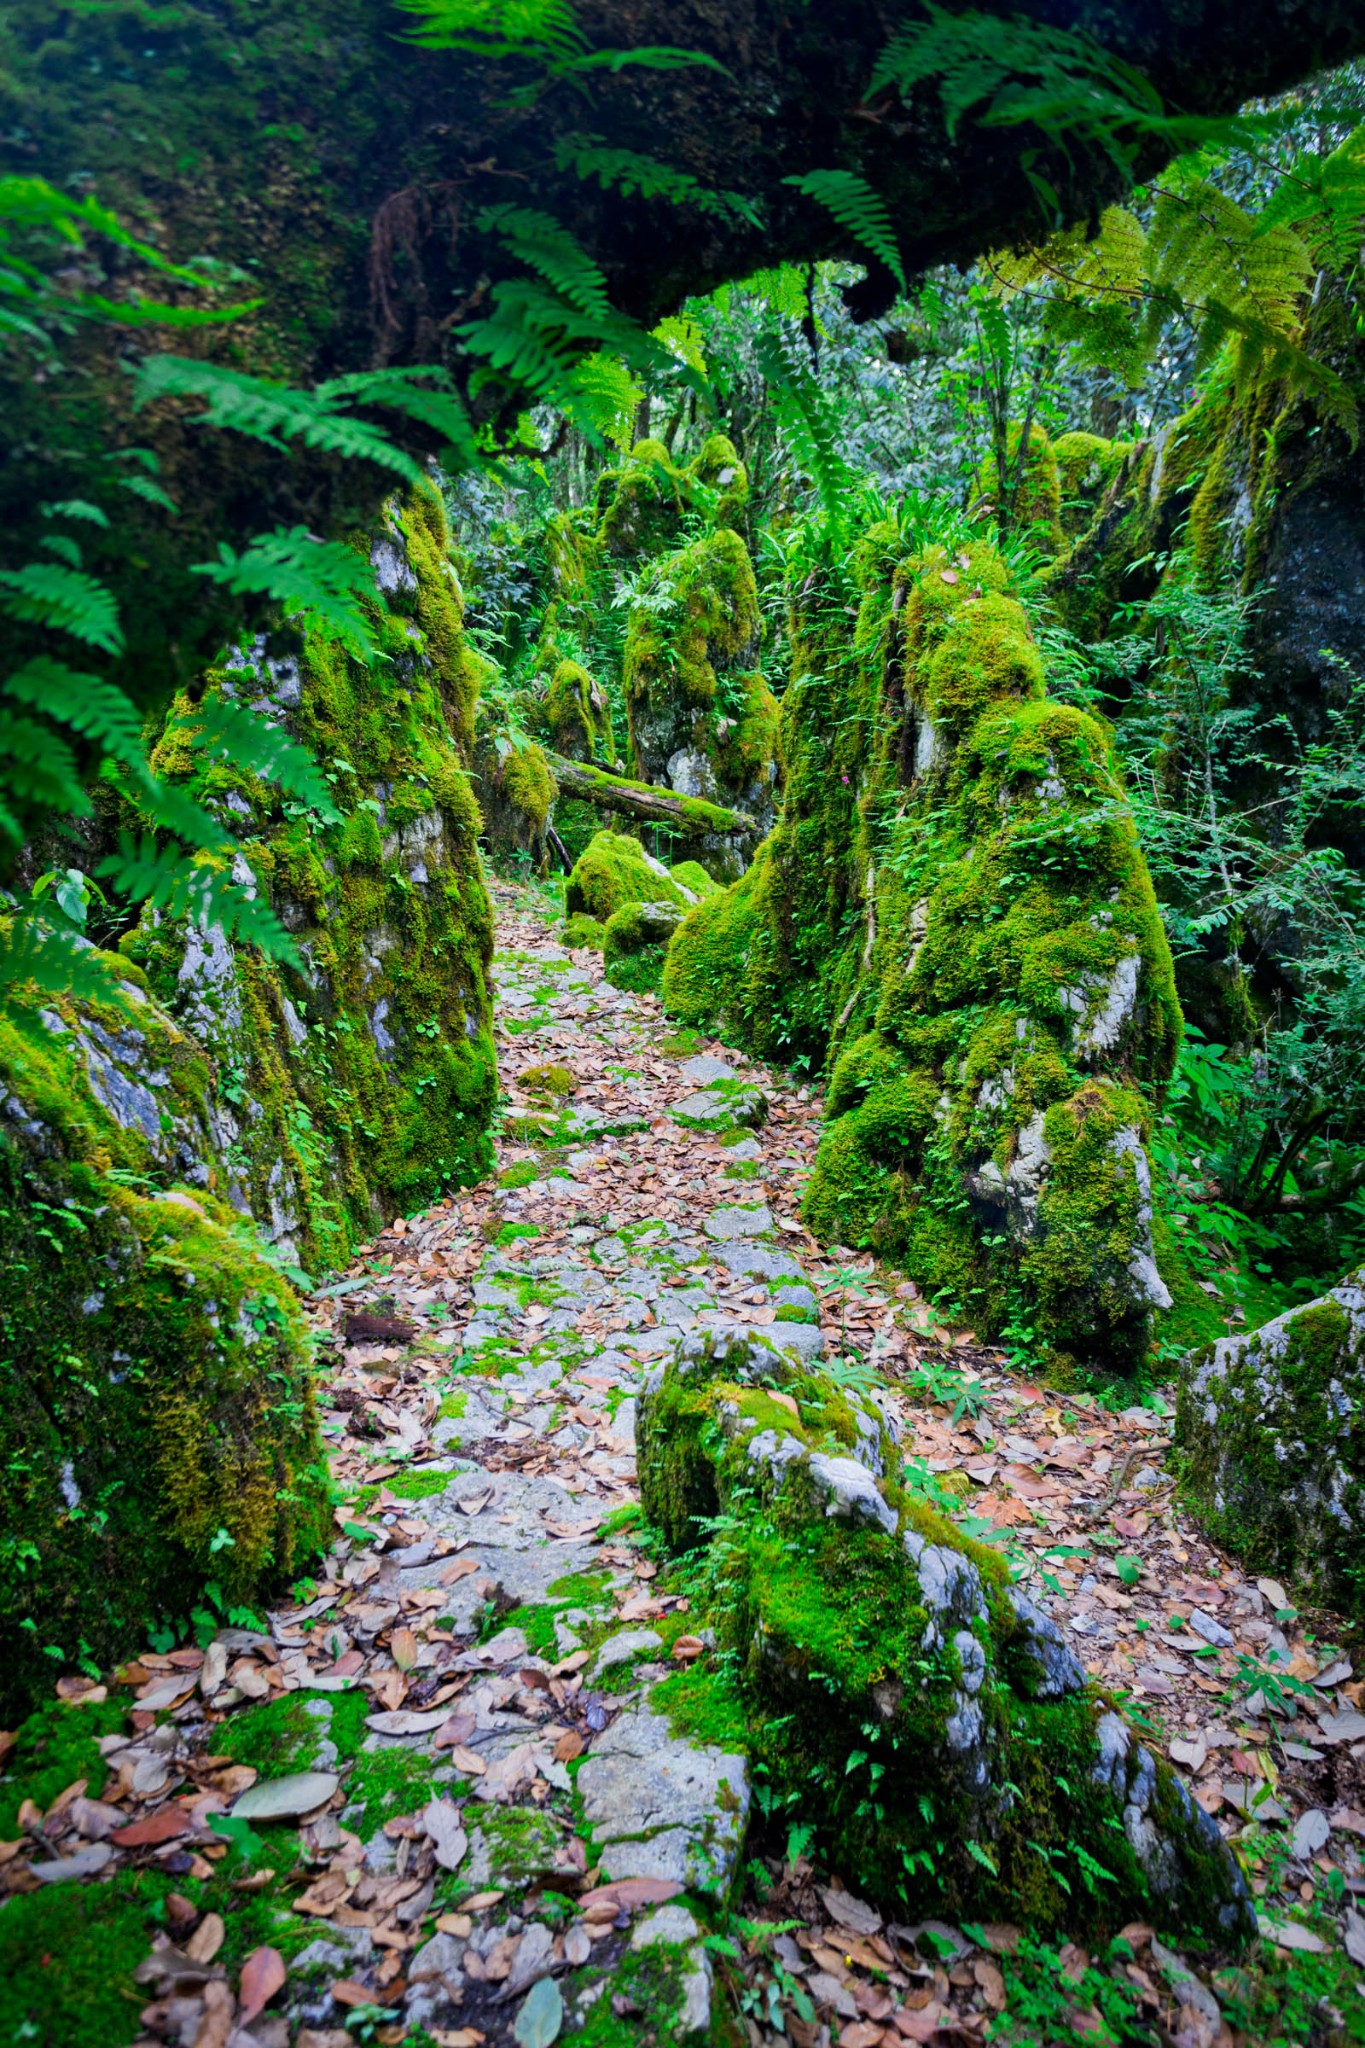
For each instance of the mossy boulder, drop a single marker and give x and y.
(587, 932)
(899, 1691)
(613, 870)
(157, 1424)
(954, 912)
(692, 876)
(578, 714)
(517, 791)
(364, 1081)
(1270, 1430)
(635, 942)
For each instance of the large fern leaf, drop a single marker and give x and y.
(162, 878)
(226, 731)
(89, 705)
(325, 581)
(65, 600)
(859, 210)
(269, 412)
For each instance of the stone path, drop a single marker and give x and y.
(446, 1776)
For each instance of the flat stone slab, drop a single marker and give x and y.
(722, 1109)
(664, 1807)
(735, 1220)
(705, 1068)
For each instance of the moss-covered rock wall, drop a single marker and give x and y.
(955, 916)
(157, 1427)
(364, 1082)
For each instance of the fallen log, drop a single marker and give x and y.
(689, 815)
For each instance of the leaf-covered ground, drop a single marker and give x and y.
(373, 1815)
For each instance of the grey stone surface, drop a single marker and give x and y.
(734, 1220)
(623, 1648)
(662, 1806)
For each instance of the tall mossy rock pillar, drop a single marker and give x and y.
(362, 1081)
(955, 912)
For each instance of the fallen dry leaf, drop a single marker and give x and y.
(263, 1974)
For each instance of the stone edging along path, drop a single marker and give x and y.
(467, 1818)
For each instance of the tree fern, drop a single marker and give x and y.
(859, 210)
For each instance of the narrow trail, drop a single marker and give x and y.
(468, 1818)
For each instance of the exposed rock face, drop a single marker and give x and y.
(365, 1081)
(954, 912)
(898, 1690)
(155, 1388)
(1270, 1439)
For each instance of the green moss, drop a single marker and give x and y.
(550, 1080)
(155, 1374)
(419, 1485)
(955, 913)
(634, 947)
(367, 1085)
(587, 932)
(67, 1957)
(838, 1669)
(455, 1405)
(1029, 500)
(383, 1785)
(519, 1176)
(614, 870)
(578, 713)
(695, 620)
(54, 1747)
(1270, 1450)
(690, 874)
(528, 784)
(279, 1735)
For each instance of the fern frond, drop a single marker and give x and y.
(37, 765)
(859, 210)
(551, 251)
(1323, 199)
(258, 747)
(149, 492)
(39, 959)
(627, 172)
(324, 580)
(422, 391)
(605, 399)
(498, 29)
(90, 705)
(268, 411)
(808, 422)
(75, 508)
(64, 600)
(162, 878)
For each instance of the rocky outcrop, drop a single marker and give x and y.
(900, 1693)
(157, 1426)
(1272, 1450)
(955, 914)
(364, 1079)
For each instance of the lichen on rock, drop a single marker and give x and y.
(898, 1691)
